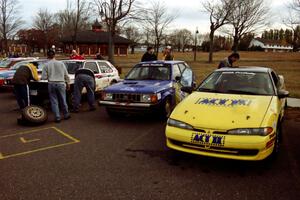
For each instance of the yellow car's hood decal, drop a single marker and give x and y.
(222, 111)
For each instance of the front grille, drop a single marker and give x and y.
(220, 150)
(123, 97)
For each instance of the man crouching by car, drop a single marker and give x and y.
(21, 78)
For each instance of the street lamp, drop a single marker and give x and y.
(195, 47)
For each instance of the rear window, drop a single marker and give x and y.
(72, 67)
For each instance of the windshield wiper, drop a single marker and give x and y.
(240, 92)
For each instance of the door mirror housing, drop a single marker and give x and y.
(283, 94)
(188, 90)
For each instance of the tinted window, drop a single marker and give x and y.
(92, 66)
(72, 66)
(187, 77)
(104, 67)
(238, 83)
(176, 71)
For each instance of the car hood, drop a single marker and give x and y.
(139, 86)
(222, 111)
(7, 73)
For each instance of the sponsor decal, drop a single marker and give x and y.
(127, 89)
(224, 102)
(207, 140)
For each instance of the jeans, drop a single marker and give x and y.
(81, 81)
(22, 95)
(57, 96)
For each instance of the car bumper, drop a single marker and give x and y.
(234, 147)
(130, 107)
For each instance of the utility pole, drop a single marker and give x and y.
(195, 47)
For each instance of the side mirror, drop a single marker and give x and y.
(178, 78)
(187, 89)
(283, 94)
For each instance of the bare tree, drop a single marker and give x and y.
(44, 21)
(247, 16)
(219, 12)
(10, 22)
(132, 33)
(156, 20)
(81, 15)
(113, 12)
(295, 4)
(73, 18)
(292, 21)
(181, 39)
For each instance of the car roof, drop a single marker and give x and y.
(162, 62)
(245, 69)
(86, 60)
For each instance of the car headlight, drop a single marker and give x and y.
(179, 124)
(107, 96)
(251, 131)
(149, 98)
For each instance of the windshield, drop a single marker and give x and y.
(150, 72)
(72, 67)
(238, 83)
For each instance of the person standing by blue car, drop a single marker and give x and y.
(58, 82)
(84, 78)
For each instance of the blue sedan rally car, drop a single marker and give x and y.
(149, 87)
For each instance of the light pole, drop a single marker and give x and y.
(195, 47)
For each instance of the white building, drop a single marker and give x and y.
(270, 45)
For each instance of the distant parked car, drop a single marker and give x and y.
(7, 75)
(105, 74)
(7, 63)
(149, 87)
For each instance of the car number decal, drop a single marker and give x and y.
(207, 140)
(223, 102)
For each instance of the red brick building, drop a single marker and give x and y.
(96, 40)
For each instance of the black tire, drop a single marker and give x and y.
(286, 104)
(70, 99)
(277, 143)
(166, 109)
(113, 82)
(34, 114)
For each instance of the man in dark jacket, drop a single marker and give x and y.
(21, 78)
(228, 62)
(149, 55)
(84, 78)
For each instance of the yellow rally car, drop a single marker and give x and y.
(235, 113)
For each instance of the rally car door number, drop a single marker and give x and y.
(207, 139)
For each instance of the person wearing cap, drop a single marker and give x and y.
(149, 55)
(228, 62)
(21, 79)
(58, 82)
(167, 54)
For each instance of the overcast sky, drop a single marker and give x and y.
(190, 12)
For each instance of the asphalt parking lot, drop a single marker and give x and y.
(92, 156)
